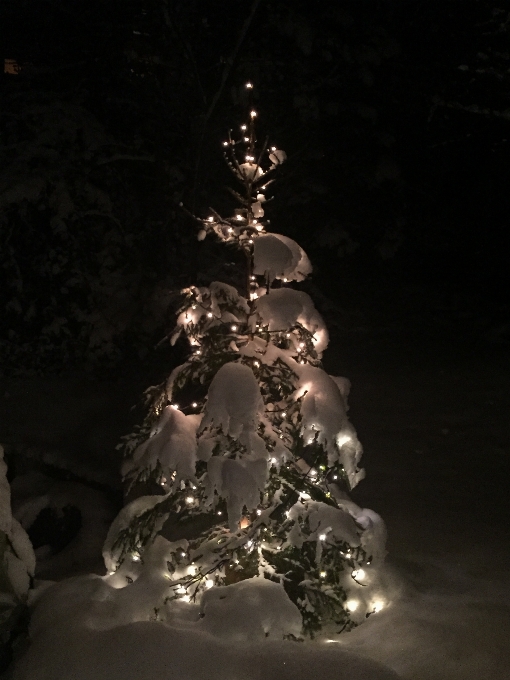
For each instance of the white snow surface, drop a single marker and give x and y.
(283, 308)
(90, 627)
(279, 257)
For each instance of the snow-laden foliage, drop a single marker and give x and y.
(247, 454)
(17, 560)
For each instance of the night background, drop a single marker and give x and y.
(395, 117)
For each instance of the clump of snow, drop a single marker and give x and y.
(279, 257)
(17, 559)
(324, 419)
(250, 171)
(240, 482)
(234, 402)
(112, 551)
(283, 308)
(251, 610)
(172, 445)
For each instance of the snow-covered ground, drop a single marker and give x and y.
(434, 423)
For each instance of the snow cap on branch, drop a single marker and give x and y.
(279, 257)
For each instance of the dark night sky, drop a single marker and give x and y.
(398, 167)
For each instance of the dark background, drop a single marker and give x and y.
(394, 115)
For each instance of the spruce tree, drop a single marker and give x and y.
(246, 454)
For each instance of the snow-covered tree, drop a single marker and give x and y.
(247, 454)
(17, 565)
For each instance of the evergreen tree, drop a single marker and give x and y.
(246, 452)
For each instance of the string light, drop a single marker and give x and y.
(283, 414)
(358, 574)
(256, 364)
(243, 127)
(352, 605)
(190, 500)
(246, 139)
(249, 86)
(209, 583)
(175, 406)
(239, 217)
(313, 473)
(323, 574)
(194, 404)
(210, 219)
(377, 606)
(192, 569)
(219, 512)
(253, 114)
(322, 537)
(136, 557)
(233, 328)
(209, 315)
(250, 241)
(225, 143)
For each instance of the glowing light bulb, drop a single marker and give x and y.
(322, 537)
(243, 127)
(219, 512)
(233, 328)
(249, 86)
(342, 439)
(253, 114)
(193, 306)
(335, 476)
(190, 500)
(249, 544)
(255, 221)
(305, 497)
(135, 557)
(358, 574)
(225, 143)
(259, 512)
(192, 569)
(185, 598)
(377, 606)
(273, 461)
(283, 414)
(239, 217)
(198, 352)
(210, 219)
(313, 473)
(209, 315)
(209, 583)
(285, 280)
(352, 605)
(246, 139)
(301, 344)
(273, 148)
(194, 404)
(253, 278)
(259, 227)
(256, 363)
(323, 574)
(181, 590)
(230, 230)
(175, 406)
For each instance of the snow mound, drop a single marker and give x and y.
(279, 257)
(283, 308)
(250, 610)
(70, 641)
